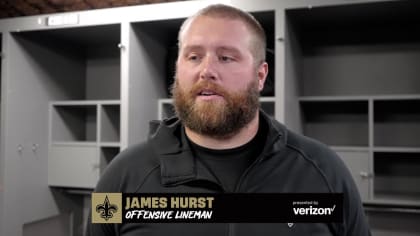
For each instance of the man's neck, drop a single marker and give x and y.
(242, 137)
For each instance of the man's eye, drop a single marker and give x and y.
(226, 59)
(192, 58)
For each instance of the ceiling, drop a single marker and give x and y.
(15, 8)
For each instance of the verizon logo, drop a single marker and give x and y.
(313, 210)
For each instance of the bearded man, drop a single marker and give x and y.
(221, 142)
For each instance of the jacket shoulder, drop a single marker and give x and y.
(338, 179)
(129, 169)
(326, 161)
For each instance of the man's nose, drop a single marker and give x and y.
(208, 68)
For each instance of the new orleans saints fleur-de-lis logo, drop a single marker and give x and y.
(106, 209)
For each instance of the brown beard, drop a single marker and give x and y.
(219, 119)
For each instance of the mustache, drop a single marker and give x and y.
(206, 85)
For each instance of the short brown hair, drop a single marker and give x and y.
(258, 44)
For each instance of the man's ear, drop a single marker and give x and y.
(262, 73)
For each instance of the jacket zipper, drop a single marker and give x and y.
(231, 229)
(231, 226)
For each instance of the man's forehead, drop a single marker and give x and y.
(218, 47)
(201, 23)
(224, 20)
(200, 30)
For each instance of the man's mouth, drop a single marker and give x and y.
(207, 93)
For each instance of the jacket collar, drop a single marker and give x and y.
(178, 164)
(171, 146)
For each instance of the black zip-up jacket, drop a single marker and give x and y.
(289, 163)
